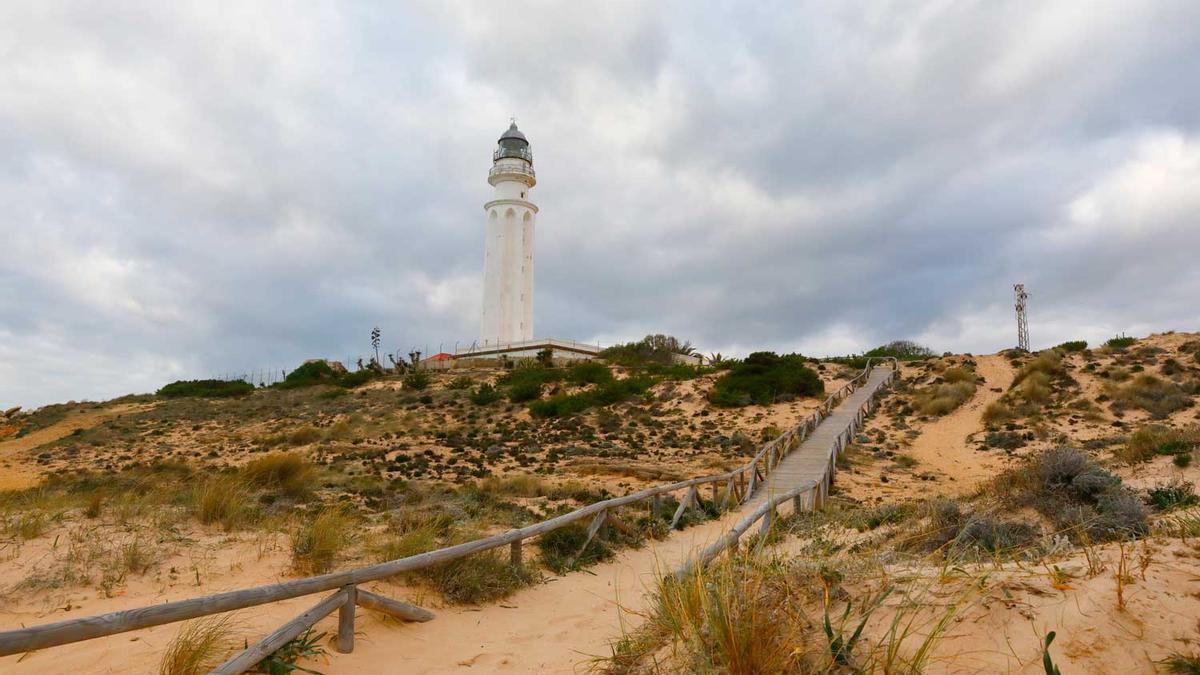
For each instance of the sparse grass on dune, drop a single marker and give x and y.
(480, 577)
(747, 614)
(1153, 440)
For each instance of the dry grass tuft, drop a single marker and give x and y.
(317, 542)
(222, 500)
(199, 646)
(942, 399)
(287, 472)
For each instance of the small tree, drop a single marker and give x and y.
(546, 357)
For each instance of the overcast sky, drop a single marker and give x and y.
(192, 190)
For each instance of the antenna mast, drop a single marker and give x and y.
(1022, 324)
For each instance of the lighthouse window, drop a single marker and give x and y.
(522, 195)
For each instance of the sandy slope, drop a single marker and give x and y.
(17, 472)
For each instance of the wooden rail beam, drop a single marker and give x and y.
(394, 608)
(269, 645)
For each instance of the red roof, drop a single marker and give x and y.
(443, 356)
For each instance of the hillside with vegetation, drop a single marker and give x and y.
(989, 501)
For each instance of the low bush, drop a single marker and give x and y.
(206, 389)
(1048, 363)
(315, 372)
(1156, 396)
(763, 378)
(1068, 487)
(357, 378)
(884, 514)
(1072, 346)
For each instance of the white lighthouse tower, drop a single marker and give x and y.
(508, 251)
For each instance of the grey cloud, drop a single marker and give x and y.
(192, 191)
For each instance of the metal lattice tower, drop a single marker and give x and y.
(1022, 324)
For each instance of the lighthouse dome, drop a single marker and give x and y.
(513, 144)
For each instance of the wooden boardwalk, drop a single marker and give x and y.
(809, 461)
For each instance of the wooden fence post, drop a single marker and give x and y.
(345, 636)
(514, 553)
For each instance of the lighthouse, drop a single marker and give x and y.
(508, 247)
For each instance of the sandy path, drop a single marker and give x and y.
(555, 627)
(943, 446)
(17, 472)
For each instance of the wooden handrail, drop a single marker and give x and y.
(86, 628)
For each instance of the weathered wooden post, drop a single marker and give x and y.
(514, 553)
(345, 636)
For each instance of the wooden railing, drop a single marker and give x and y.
(740, 484)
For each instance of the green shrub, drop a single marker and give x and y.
(660, 349)
(1156, 439)
(607, 393)
(764, 377)
(477, 578)
(589, 372)
(416, 379)
(526, 390)
(309, 374)
(1120, 342)
(460, 382)
(531, 372)
(357, 378)
(1176, 494)
(485, 394)
(1072, 346)
(559, 545)
(206, 389)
